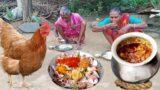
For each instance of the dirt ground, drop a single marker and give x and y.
(94, 43)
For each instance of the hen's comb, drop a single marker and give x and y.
(46, 26)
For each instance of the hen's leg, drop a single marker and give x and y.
(10, 83)
(25, 84)
(10, 66)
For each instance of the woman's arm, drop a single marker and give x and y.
(60, 31)
(82, 31)
(128, 27)
(104, 24)
(139, 25)
(107, 26)
(98, 29)
(136, 23)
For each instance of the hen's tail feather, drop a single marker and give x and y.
(7, 31)
(3, 22)
(1, 26)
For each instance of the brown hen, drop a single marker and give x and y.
(22, 56)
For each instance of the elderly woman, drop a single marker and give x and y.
(71, 26)
(117, 24)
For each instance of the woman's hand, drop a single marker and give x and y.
(125, 29)
(60, 40)
(112, 25)
(78, 45)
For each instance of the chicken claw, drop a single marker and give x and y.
(25, 84)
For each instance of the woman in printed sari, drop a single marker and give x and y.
(71, 26)
(117, 24)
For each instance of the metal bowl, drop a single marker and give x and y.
(51, 68)
(135, 72)
(138, 74)
(62, 47)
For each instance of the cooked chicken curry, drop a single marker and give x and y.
(134, 49)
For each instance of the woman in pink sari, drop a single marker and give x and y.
(71, 26)
(117, 24)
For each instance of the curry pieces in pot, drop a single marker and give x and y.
(134, 49)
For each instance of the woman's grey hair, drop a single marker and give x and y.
(65, 11)
(117, 9)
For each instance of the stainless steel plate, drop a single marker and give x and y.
(52, 72)
(62, 47)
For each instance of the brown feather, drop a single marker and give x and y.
(26, 55)
(11, 66)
